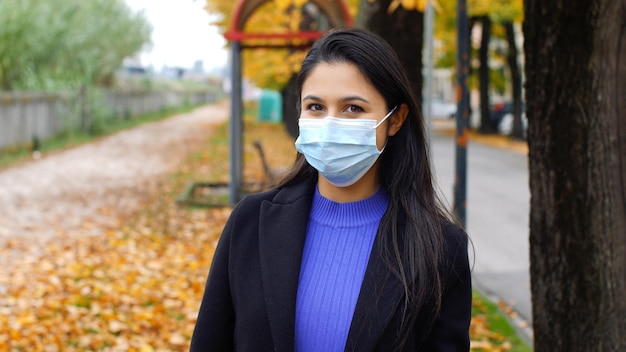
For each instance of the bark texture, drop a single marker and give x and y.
(576, 106)
(486, 125)
(403, 30)
(516, 80)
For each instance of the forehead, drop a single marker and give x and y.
(330, 80)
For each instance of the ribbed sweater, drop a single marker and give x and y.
(338, 244)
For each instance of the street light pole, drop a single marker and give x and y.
(462, 114)
(236, 125)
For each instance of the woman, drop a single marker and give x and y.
(352, 251)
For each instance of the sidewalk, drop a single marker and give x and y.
(89, 185)
(498, 206)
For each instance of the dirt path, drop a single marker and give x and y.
(87, 187)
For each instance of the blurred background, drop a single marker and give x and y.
(116, 145)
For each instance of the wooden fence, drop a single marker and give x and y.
(28, 116)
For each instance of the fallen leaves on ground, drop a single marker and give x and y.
(482, 339)
(131, 289)
(135, 287)
(138, 286)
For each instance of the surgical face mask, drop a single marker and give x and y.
(342, 150)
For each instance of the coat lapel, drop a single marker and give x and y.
(282, 230)
(378, 301)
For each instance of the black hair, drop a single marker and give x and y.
(412, 226)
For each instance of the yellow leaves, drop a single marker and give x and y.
(498, 10)
(177, 340)
(419, 5)
(481, 336)
(143, 348)
(285, 4)
(269, 68)
(272, 68)
(131, 288)
(136, 287)
(116, 327)
(485, 340)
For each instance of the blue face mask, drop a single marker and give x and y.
(341, 150)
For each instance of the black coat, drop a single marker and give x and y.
(249, 302)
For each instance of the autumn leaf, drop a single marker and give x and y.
(269, 68)
(137, 286)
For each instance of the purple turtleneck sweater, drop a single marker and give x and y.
(338, 244)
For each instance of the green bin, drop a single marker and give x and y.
(270, 106)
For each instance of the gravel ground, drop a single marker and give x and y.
(89, 186)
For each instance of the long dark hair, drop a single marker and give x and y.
(412, 226)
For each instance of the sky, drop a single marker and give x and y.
(181, 34)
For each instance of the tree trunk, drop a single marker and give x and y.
(486, 126)
(403, 30)
(516, 80)
(291, 114)
(576, 88)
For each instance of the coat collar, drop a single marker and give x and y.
(282, 230)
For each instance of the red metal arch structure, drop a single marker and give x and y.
(336, 14)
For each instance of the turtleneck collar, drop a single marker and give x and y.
(351, 214)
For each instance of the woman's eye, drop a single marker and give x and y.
(354, 108)
(314, 107)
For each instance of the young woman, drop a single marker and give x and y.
(353, 250)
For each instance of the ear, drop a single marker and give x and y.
(397, 119)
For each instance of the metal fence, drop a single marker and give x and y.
(28, 116)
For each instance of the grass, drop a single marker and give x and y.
(500, 334)
(211, 164)
(14, 155)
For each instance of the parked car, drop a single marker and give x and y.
(502, 117)
(501, 114)
(500, 109)
(506, 124)
(441, 108)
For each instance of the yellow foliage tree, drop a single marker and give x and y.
(268, 68)
(419, 5)
(497, 10)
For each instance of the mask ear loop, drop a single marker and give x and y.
(383, 120)
(386, 116)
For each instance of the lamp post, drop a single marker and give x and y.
(236, 125)
(462, 113)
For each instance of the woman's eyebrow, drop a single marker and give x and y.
(344, 99)
(354, 97)
(312, 97)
